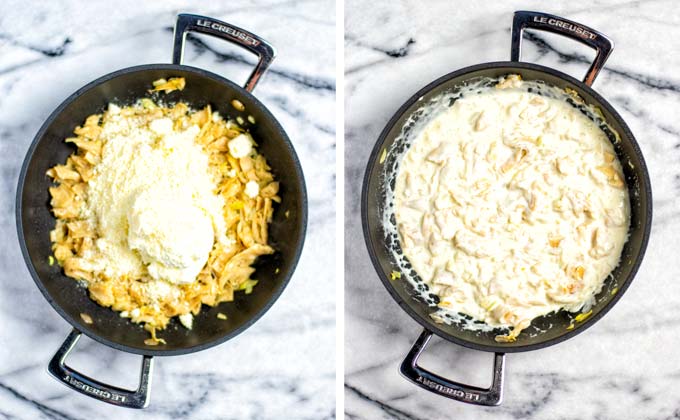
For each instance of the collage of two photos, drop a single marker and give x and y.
(168, 209)
(338, 209)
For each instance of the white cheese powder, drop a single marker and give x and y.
(153, 201)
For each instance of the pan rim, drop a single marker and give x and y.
(285, 279)
(371, 246)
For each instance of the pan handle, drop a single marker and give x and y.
(95, 389)
(447, 388)
(550, 23)
(205, 25)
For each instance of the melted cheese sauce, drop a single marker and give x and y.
(511, 205)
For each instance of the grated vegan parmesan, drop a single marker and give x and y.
(153, 200)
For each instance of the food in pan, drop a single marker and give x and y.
(511, 205)
(161, 209)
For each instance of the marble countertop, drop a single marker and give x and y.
(49, 50)
(625, 366)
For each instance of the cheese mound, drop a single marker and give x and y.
(153, 199)
(172, 235)
(511, 205)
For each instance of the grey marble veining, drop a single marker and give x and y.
(625, 366)
(285, 363)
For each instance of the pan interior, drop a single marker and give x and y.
(35, 220)
(384, 243)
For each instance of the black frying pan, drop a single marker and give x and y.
(34, 220)
(550, 329)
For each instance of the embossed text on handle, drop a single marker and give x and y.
(565, 25)
(229, 31)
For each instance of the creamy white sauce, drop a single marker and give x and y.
(511, 205)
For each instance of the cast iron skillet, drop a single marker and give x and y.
(554, 325)
(34, 220)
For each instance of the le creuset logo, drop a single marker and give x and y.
(568, 26)
(230, 31)
(469, 396)
(94, 391)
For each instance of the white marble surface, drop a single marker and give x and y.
(50, 49)
(627, 365)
